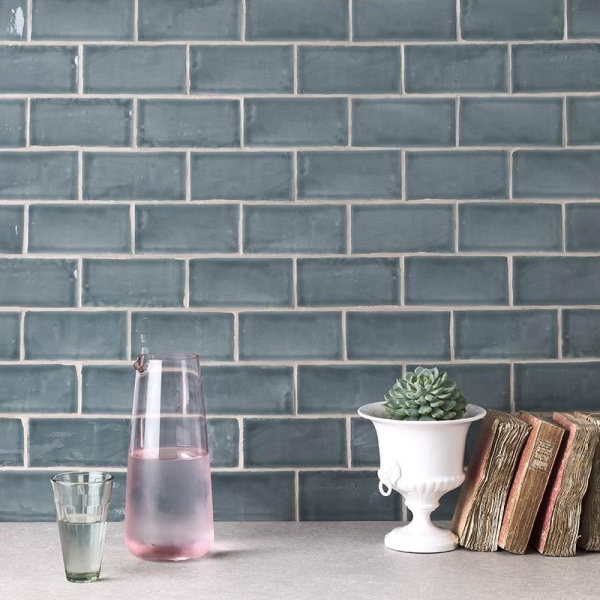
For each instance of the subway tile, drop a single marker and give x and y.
(233, 390)
(321, 491)
(186, 229)
(413, 228)
(510, 121)
(510, 227)
(288, 336)
(76, 122)
(42, 388)
(38, 70)
(363, 443)
(348, 70)
(32, 282)
(556, 173)
(75, 335)
(556, 280)
(296, 122)
(107, 389)
(460, 68)
(457, 175)
(552, 386)
(556, 68)
(252, 496)
(342, 175)
(223, 437)
(197, 124)
(38, 175)
(11, 229)
(133, 176)
(294, 443)
(12, 20)
(190, 20)
(11, 451)
(583, 19)
(581, 333)
(294, 229)
(398, 335)
(146, 283)
(12, 122)
(208, 335)
(404, 122)
(134, 69)
(583, 119)
(350, 282)
(456, 280)
(512, 20)
(72, 229)
(242, 176)
(292, 20)
(79, 442)
(343, 388)
(241, 69)
(9, 336)
(502, 334)
(241, 282)
(404, 20)
(582, 226)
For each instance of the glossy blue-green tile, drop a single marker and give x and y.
(38, 175)
(581, 333)
(242, 176)
(107, 389)
(349, 282)
(75, 228)
(199, 124)
(321, 491)
(186, 229)
(223, 438)
(294, 229)
(13, 17)
(510, 227)
(582, 226)
(343, 388)
(208, 335)
(134, 69)
(355, 175)
(469, 175)
(583, 119)
(11, 229)
(241, 69)
(510, 121)
(43, 388)
(294, 443)
(76, 122)
(363, 444)
(252, 496)
(9, 336)
(460, 68)
(583, 19)
(405, 122)
(348, 70)
(36, 282)
(289, 335)
(292, 20)
(190, 20)
(12, 122)
(456, 280)
(133, 176)
(233, 390)
(11, 449)
(413, 228)
(241, 282)
(296, 122)
(398, 335)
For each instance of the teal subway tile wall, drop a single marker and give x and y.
(315, 196)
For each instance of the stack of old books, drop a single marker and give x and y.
(532, 480)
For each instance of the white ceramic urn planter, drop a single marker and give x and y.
(422, 460)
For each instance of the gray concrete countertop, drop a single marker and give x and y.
(291, 561)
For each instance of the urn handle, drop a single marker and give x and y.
(389, 478)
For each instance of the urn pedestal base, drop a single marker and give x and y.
(412, 539)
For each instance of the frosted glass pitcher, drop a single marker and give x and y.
(168, 506)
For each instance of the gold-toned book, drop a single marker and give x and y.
(530, 481)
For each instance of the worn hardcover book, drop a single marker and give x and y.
(478, 514)
(530, 481)
(557, 525)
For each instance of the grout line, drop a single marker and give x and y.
(451, 336)
(295, 176)
(236, 337)
(188, 83)
(188, 176)
(559, 329)
(129, 335)
(186, 284)
(403, 174)
(134, 123)
(27, 122)
(563, 211)
(511, 397)
(565, 19)
(294, 282)
(348, 442)
(29, 18)
(241, 231)
(458, 23)
(132, 228)
(78, 371)
(348, 229)
(25, 423)
(26, 229)
(510, 174)
(344, 337)
(296, 495)
(80, 70)
(22, 336)
(402, 71)
(349, 122)
(136, 12)
(456, 228)
(401, 266)
(79, 282)
(80, 176)
(295, 68)
(457, 123)
(295, 391)
(510, 271)
(243, 20)
(240, 422)
(565, 134)
(242, 124)
(350, 24)
(509, 68)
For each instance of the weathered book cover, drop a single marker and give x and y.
(529, 483)
(478, 514)
(557, 525)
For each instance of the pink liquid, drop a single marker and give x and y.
(168, 511)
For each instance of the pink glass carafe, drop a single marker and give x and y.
(168, 506)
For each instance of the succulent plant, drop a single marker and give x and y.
(425, 395)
